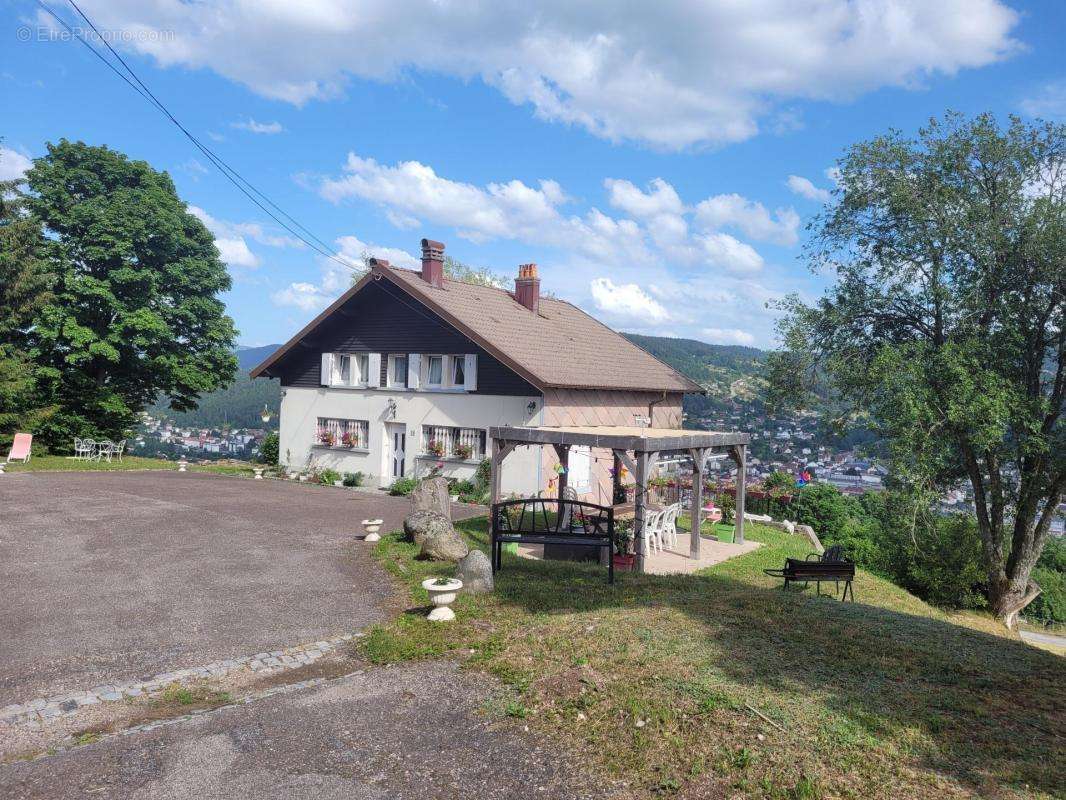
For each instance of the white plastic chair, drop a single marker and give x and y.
(652, 526)
(668, 527)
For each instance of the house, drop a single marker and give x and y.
(407, 370)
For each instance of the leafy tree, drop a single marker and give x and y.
(946, 322)
(135, 310)
(25, 281)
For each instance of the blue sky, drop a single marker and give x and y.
(659, 163)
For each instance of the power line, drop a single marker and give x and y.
(231, 174)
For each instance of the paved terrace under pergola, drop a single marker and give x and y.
(637, 449)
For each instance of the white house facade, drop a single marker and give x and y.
(407, 370)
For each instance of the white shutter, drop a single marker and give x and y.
(326, 377)
(470, 372)
(374, 376)
(414, 371)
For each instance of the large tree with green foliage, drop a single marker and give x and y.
(25, 281)
(946, 322)
(135, 311)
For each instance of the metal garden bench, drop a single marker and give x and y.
(829, 566)
(545, 521)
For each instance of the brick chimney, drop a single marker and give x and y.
(527, 287)
(433, 262)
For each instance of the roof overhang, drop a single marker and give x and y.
(640, 440)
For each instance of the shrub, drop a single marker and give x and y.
(779, 483)
(268, 450)
(823, 507)
(403, 486)
(353, 478)
(936, 557)
(728, 504)
(328, 477)
(1049, 608)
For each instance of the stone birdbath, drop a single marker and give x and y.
(183, 465)
(2, 467)
(371, 527)
(258, 472)
(442, 593)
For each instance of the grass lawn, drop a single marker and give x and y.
(667, 682)
(128, 462)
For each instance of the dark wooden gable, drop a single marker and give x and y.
(382, 319)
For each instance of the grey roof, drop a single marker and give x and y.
(561, 346)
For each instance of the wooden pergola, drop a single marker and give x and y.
(636, 448)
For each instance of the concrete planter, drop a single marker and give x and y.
(371, 528)
(442, 596)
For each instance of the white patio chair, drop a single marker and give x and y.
(668, 527)
(118, 449)
(103, 449)
(652, 526)
(77, 448)
(88, 449)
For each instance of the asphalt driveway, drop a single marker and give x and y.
(409, 732)
(111, 577)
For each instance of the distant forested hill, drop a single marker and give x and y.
(248, 357)
(238, 405)
(727, 372)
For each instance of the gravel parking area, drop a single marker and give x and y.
(114, 577)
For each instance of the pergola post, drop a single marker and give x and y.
(640, 475)
(739, 453)
(500, 449)
(699, 456)
(563, 452)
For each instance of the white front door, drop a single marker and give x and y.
(395, 447)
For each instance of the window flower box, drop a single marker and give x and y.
(435, 448)
(463, 451)
(327, 437)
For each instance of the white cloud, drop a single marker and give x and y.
(805, 188)
(411, 192)
(725, 251)
(1049, 102)
(252, 126)
(13, 164)
(661, 198)
(627, 300)
(751, 217)
(673, 74)
(728, 336)
(230, 238)
(336, 278)
(305, 296)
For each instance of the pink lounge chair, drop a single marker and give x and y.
(20, 448)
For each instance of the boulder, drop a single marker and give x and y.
(475, 571)
(432, 495)
(445, 545)
(420, 525)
